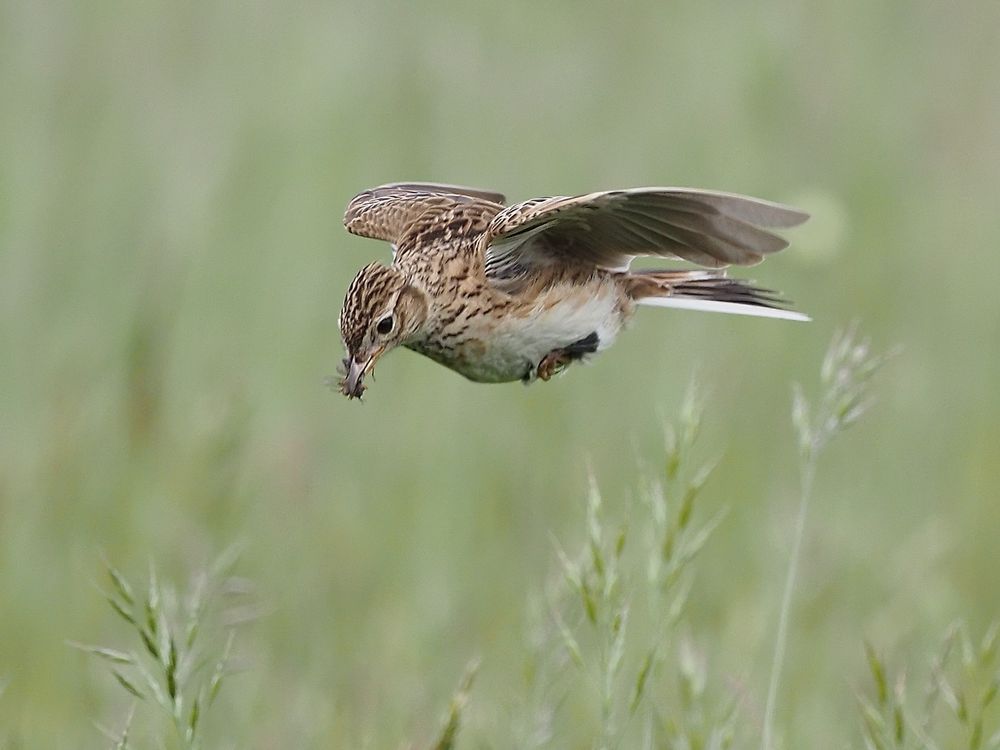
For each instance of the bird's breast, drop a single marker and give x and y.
(507, 343)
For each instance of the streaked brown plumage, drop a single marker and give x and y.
(501, 293)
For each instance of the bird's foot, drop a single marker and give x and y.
(553, 363)
(558, 359)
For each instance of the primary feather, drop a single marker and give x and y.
(609, 229)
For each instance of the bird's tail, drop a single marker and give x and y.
(710, 291)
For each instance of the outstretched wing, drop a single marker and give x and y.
(388, 211)
(609, 229)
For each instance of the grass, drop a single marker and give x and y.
(613, 637)
(955, 707)
(616, 611)
(179, 664)
(844, 397)
(450, 727)
(613, 642)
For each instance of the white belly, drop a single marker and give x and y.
(514, 345)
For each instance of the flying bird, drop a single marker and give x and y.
(501, 293)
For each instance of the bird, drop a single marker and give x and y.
(501, 293)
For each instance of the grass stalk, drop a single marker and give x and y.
(845, 378)
(164, 669)
(807, 474)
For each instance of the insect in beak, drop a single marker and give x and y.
(354, 371)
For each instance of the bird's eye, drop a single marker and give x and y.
(385, 325)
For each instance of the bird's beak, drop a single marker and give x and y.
(353, 385)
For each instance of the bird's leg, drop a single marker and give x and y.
(552, 363)
(558, 359)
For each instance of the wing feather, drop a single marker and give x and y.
(609, 229)
(387, 211)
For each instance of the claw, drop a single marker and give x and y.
(553, 363)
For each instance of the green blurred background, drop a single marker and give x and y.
(172, 262)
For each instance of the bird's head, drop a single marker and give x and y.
(381, 310)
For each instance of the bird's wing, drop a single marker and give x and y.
(388, 211)
(609, 229)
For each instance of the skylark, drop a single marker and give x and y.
(501, 293)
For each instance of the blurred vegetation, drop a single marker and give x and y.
(172, 177)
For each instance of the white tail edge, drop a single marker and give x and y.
(733, 308)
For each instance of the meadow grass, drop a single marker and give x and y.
(615, 620)
(844, 396)
(955, 704)
(183, 652)
(613, 638)
(616, 611)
